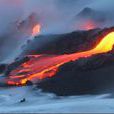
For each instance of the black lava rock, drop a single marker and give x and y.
(29, 83)
(91, 75)
(2, 68)
(65, 43)
(23, 100)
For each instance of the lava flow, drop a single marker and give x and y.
(40, 67)
(36, 30)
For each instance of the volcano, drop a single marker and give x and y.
(42, 68)
(90, 19)
(56, 56)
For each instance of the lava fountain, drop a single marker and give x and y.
(36, 30)
(43, 66)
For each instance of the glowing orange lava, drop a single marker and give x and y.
(88, 25)
(36, 30)
(40, 67)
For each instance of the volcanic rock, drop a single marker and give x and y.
(29, 83)
(23, 100)
(90, 75)
(16, 64)
(2, 68)
(64, 43)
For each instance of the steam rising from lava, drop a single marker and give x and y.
(38, 68)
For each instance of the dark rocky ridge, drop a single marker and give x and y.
(91, 75)
(65, 43)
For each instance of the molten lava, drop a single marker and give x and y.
(88, 25)
(40, 67)
(36, 30)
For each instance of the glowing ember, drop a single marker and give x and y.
(88, 25)
(36, 30)
(47, 66)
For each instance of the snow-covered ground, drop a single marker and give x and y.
(36, 101)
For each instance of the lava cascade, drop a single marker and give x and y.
(42, 66)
